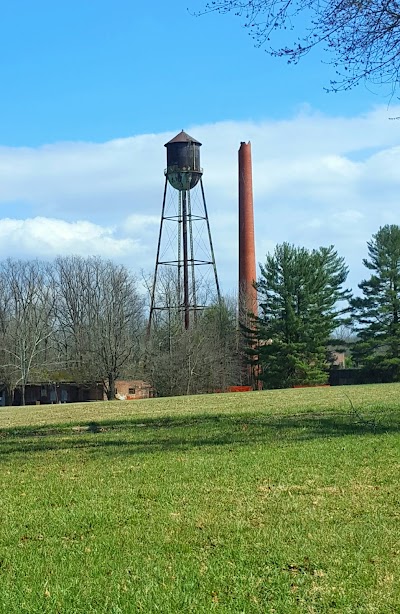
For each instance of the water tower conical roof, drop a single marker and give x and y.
(182, 137)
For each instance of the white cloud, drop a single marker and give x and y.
(46, 237)
(318, 180)
(138, 222)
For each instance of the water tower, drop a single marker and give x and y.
(185, 276)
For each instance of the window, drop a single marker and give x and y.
(132, 391)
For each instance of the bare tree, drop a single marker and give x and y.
(7, 370)
(26, 320)
(73, 331)
(362, 35)
(116, 316)
(100, 317)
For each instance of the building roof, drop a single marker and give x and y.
(182, 137)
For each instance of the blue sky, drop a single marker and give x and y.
(90, 91)
(96, 70)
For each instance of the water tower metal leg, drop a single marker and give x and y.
(194, 299)
(157, 261)
(185, 260)
(211, 243)
(179, 265)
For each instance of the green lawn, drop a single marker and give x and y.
(272, 502)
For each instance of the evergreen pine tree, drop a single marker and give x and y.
(299, 292)
(377, 312)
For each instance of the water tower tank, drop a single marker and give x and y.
(183, 162)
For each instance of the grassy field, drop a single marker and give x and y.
(266, 502)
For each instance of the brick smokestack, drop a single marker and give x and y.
(247, 255)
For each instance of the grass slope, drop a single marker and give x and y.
(271, 502)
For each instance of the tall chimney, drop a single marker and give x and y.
(247, 256)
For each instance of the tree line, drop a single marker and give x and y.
(74, 319)
(84, 320)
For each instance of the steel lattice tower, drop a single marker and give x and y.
(185, 251)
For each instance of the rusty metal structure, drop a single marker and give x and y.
(247, 254)
(185, 275)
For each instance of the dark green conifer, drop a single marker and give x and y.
(301, 303)
(376, 312)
